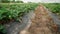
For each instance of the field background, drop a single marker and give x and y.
(14, 11)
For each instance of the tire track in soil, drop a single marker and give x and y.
(42, 23)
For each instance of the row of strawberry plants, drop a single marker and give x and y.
(10, 11)
(53, 7)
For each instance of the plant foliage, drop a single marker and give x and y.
(13, 10)
(53, 7)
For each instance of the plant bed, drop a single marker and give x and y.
(11, 13)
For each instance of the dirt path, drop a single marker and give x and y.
(42, 23)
